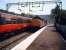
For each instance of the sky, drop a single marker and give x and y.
(14, 8)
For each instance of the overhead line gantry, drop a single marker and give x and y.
(27, 4)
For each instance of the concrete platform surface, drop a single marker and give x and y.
(49, 39)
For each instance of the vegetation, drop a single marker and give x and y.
(59, 15)
(23, 14)
(27, 15)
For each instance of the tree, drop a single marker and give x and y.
(56, 11)
(23, 14)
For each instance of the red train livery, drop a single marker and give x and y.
(12, 27)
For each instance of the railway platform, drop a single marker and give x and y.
(48, 39)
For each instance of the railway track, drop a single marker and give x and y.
(13, 41)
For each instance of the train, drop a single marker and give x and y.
(13, 25)
(20, 24)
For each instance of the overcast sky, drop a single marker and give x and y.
(14, 8)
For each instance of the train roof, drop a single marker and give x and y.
(5, 11)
